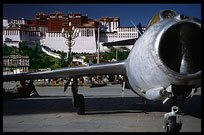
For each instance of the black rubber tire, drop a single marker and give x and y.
(81, 105)
(172, 125)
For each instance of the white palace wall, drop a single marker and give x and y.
(83, 43)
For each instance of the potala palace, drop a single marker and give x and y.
(47, 30)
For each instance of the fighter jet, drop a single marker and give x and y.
(164, 63)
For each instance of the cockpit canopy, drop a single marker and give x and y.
(161, 15)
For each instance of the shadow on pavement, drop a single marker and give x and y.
(94, 106)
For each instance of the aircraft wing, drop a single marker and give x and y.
(126, 42)
(112, 68)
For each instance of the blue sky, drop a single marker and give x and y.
(126, 12)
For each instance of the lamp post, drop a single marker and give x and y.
(69, 36)
(98, 52)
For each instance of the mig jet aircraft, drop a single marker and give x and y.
(164, 63)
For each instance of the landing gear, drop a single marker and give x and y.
(173, 120)
(77, 99)
(80, 105)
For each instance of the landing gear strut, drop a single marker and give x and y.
(77, 99)
(173, 120)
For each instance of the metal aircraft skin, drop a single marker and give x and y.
(164, 62)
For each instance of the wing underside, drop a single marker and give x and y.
(112, 68)
(126, 42)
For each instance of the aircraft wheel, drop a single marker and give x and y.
(80, 108)
(172, 125)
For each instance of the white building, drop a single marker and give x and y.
(109, 24)
(15, 62)
(5, 22)
(17, 31)
(87, 41)
(18, 21)
(12, 36)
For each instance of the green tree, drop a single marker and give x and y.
(109, 55)
(10, 50)
(37, 58)
(47, 61)
(5, 50)
(112, 54)
(62, 61)
(94, 61)
(86, 60)
(123, 55)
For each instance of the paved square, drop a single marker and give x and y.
(106, 111)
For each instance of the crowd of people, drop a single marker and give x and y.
(90, 80)
(27, 88)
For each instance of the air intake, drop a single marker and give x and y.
(180, 48)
